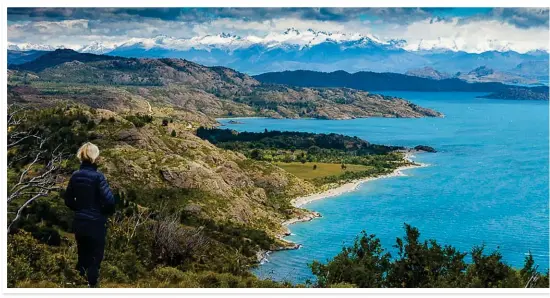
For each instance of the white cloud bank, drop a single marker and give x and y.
(472, 36)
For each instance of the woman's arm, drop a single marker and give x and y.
(106, 197)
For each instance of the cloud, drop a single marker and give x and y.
(523, 17)
(470, 29)
(474, 36)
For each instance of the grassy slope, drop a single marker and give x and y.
(306, 171)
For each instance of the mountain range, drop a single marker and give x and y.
(71, 66)
(324, 51)
(127, 84)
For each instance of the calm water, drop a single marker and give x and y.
(487, 184)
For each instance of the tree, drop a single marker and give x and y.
(421, 264)
(425, 264)
(173, 133)
(312, 150)
(488, 271)
(38, 177)
(255, 154)
(365, 265)
(529, 274)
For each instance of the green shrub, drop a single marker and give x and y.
(112, 273)
(30, 260)
(168, 274)
(419, 264)
(139, 120)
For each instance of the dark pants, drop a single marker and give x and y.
(90, 241)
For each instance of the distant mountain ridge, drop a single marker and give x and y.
(480, 74)
(428, 73)
(20, 57)
(371, 81)
(326, 51)
(57, 57)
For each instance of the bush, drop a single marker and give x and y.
(168, 274)
(139, 120)
(112, 273)
(31, 260)
(419, 264)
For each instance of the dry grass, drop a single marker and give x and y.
(306, 171)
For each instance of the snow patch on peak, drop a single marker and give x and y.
(97, 47)
(32, 46)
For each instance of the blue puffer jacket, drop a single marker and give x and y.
(89, 195)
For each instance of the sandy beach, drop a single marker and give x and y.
(350, 186)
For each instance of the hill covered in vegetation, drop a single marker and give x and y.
(183, 203)
(212, 91)
(322, 159)
(372, 81)
(533, 93)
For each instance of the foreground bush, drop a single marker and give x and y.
(421, 264)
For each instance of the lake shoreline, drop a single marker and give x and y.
(332, 192)
(348, 187)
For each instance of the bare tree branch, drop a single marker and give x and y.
(533, 279)
(38, 177)
(172, 240)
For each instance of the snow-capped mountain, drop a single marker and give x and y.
(459, 45)
(30, 47)
(294, 49)
(207, 42)
(224, 41)
(97, 48)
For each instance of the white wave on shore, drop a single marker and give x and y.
(351, 186)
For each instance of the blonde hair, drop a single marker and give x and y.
(88, 152)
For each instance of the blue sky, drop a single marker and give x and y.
(520, 29)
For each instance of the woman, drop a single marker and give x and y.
(89, 195)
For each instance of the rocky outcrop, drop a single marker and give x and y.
(425, 148)
(217, 184)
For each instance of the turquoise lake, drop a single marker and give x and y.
(488, 184)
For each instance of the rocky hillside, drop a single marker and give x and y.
(180, 84)
(485, 74)
(181, 201)
(208, 182)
